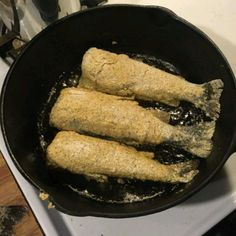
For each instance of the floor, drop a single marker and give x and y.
(226, 227)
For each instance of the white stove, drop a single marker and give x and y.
(199, 213)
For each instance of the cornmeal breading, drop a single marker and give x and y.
(124, 120)
(88, 155)
(120, 75)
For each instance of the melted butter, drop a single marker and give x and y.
(127, 198)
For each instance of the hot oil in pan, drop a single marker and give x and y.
(116, 190)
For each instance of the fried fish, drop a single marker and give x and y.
(93, 156)
(120, 75)
(115, 117)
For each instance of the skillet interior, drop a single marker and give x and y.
(55, 52)
(115, 190)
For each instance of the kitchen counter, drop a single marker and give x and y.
(16, 213)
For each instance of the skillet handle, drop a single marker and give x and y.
(234, 149)
(233, 118)
(170, 12)
(234, 143)
(92, 3)
(234, 102)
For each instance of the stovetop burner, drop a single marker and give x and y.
(10, 44)
(21, 20)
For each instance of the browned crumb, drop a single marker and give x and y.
(43, 196)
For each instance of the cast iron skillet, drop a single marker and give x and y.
(152, 31)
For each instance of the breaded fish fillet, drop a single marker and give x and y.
(120, 75)
(96, 113)
(88, 155)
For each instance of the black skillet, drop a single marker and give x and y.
(150, 32)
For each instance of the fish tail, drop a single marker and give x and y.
(209, 102)
(196, 139)
(185, 171)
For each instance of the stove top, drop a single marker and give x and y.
(199, 213)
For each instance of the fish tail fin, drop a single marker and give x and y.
(209, 102)
(196, 139)
(184, 172)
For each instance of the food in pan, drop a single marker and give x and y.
(120, 75)
(104, 106)
(96, 113)
(89, 155)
